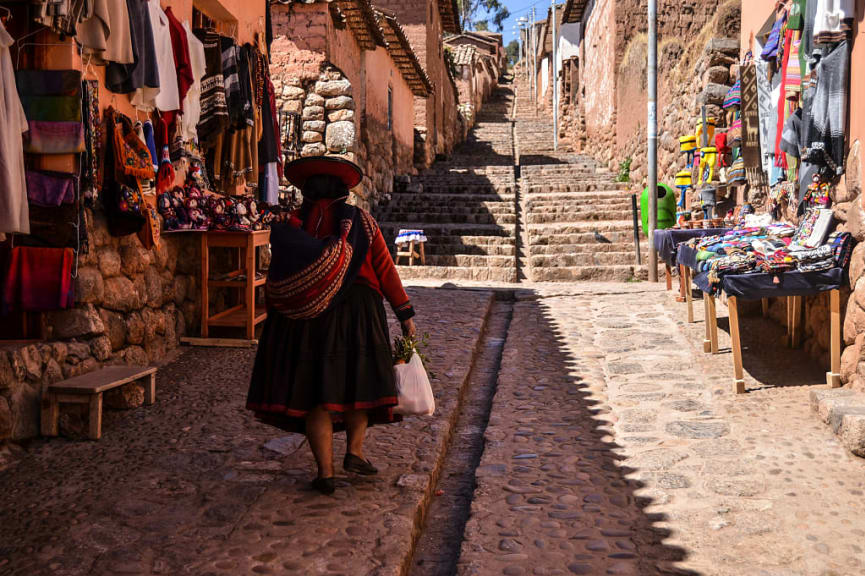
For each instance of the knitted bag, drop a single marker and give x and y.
(734, 96)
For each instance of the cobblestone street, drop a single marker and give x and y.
(614, 445)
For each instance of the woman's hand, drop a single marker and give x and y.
(408, 328)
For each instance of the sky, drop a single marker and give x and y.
(519, 8)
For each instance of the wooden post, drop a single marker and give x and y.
(796, 322)
(689, 296)
(739, 372)
(707, 338)
(51, 415)
(150, 389)
(681, 297)
(249, 290)
(713, 323)
(422, 254)
(669, 276)
(95, 417)
(833, 378)
(205, 277)
(411, 253)
(765, 302)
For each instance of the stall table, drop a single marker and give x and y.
(792, 285)
(666, 243)
(248, 314)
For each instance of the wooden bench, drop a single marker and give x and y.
(88, 389)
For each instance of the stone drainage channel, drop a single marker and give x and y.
(438, 547)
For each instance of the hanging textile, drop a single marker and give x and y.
(54, 101)
(164, 96)
(104, 34)
(192, 103)
(90, 182)
(766, 115)
(39, 279)
(143, 74)
(832, 20)
(827, 120)
(180, 51)
(214, 107)
(14, 213)
(231, 80)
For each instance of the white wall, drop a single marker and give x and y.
(545, 76)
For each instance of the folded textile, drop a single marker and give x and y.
(53, 108)
(39, 279)
(820, 253)
(54, 138)
(734, 96)
(842, 247)
(817, 265)
(48, 83)
(773, 42)
(46, 189)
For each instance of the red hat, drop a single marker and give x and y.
(297, 171)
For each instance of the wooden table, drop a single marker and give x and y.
(248, 314)
(793, 337)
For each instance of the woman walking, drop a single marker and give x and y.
(324, 358)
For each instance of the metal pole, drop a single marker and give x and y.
(534, 61)
(634, 213)
(653, 138)
(555, 79)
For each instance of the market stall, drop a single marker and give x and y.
(132, 128)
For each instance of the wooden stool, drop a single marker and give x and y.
(411, 254)
(88, 389)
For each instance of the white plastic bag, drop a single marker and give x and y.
(413, 388)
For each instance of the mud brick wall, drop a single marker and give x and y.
(132, 306)
(612, 76)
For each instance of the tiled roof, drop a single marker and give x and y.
(403, 55)
(464, 54)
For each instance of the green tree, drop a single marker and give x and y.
(496, 11)
(513, 51)
(482, 25)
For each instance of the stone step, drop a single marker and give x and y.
(391, 229)
(577, 186)
(568, 202)
(564, 241)
(592, 247)
(456, 249)
(581, 197)
(416, 210)
(457, 273)
(621, 273)
(442, 203)
(557, 229)
(582, 259)
(425, 220)
(469, 260)
(448, 197)
(588, 216)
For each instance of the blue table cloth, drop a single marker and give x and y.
(666, 241)
(760, 285)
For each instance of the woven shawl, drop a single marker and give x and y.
(827, 122)
(307, 275)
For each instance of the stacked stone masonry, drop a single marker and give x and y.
(132, 306)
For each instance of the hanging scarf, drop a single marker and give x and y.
(308, 276)
(827, 122)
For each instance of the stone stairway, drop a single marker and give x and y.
(577, 220)
(465, 205)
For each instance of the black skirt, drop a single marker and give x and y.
(340, 360)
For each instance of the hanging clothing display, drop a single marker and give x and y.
(214, 107)
(180, 50)
(164, 96)
(14, 213)
(105, 34)
(143, 73)
(827, 121)
(832, 20)
(192, 103)
(53, 108)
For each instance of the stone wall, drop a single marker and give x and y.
(612, 76)
(132, 306)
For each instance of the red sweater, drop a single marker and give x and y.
(377, 271)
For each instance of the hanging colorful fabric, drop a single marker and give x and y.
(131, 156)
(734, 96)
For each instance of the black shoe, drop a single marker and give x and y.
(358, 465)
(325, 486)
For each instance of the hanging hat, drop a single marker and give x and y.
(297, 171)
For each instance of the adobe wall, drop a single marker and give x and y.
(341, 92)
